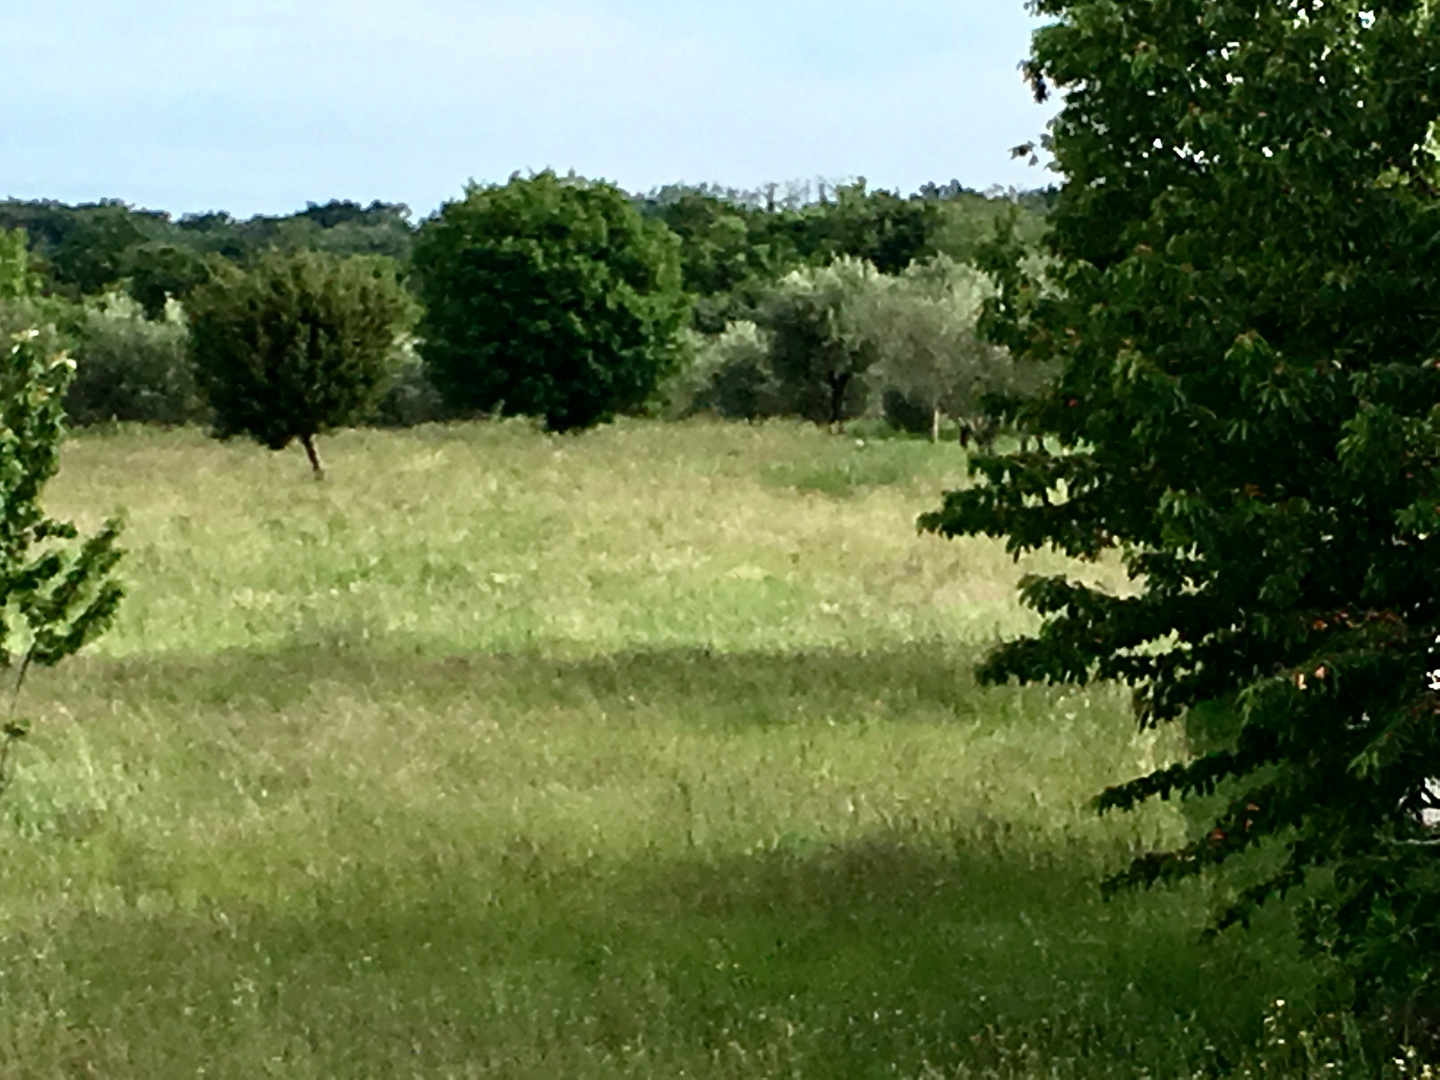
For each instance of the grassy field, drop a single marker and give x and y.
(651, 752)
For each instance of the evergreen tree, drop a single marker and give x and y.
(299, 344)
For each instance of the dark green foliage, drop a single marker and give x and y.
(300, 344)
(57, 592)
(909, 413)
(160, 270)
(1244, 300)
(97, 247)
(880, 227)
(548, 296)
(717, 253)
(93, 252)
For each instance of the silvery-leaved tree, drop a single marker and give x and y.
(1243, 300)
(822, 341)
(57, 590)
(932, 361)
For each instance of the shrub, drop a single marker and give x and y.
(548, 297)
(911, 415)
(297, 345)
(409, 398)
(732, 376)
(128, 367)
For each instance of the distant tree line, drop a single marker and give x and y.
(552, 296)
(109, 246)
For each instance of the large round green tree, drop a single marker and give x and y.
(548, 296)
(1244, 302)
(297, 344)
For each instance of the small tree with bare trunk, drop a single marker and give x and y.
(298, 344)
(58, 590)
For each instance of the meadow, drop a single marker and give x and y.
(650, 752)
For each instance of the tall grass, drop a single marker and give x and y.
(651, 752)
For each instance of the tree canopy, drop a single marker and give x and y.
(97, 247)
(297, 345)
(1244, 302)
(821, 338)
(548, 296)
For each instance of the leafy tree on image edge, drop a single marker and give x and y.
(297, 345)
(548, 296)
(57, 591)
(1244, 303)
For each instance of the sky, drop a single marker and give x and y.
(260, 106)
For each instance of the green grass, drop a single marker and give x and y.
(650, 752)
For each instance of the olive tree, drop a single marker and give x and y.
(933, 363)
(296, 345)
(821, 339)
(1244, 302)
(732, 377)
(548, 296)
(129, 367)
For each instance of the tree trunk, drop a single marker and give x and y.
(308, 441)
(935, 425)
(838, 385)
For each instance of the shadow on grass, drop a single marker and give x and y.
(875, 958)
(919, 953)
(745, 688)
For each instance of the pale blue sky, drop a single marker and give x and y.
(260, 105)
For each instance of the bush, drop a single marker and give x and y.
(548, 297)
(130, 368)
(731, 376)
(410, 398)
(297, 345)
(911, 415)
